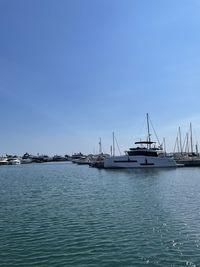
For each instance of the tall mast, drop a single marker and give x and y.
(191, 142)
(149, 135)
(164, 145)
(181, 150)
(111, 153)
(100, 146)
(197, 151)
(113, 144)
(187, 144)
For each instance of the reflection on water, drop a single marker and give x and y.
(68, 215)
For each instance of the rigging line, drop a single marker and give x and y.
(118, 146)
(142, 127)
(154, 132)
(184, 143)
(187, 148)
(175, 145)
(162, 144)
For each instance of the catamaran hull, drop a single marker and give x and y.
(138, 162)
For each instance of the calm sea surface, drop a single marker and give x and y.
(62, 214)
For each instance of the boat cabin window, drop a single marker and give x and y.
(142, 153)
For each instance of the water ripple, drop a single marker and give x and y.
(68, 215)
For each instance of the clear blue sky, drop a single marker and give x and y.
(74, 70)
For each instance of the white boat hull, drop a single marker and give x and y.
(14, 162)
(138, 162)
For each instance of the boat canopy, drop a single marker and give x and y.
(145, 142)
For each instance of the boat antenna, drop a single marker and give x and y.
(148, 130)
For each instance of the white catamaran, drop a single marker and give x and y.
(142, 156)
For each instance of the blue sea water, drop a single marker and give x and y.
(63, 214)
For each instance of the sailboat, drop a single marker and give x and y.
(144, 155)
(97, 161)
(189, 158)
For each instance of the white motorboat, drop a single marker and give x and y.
(3, 161)
(142, 156)
(14, 161)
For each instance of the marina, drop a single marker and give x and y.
(144, 155)
(134, 209)
(86, 177)
(134, 158)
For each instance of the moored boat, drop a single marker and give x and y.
(3, 161)
(14, 161)
(98, 161)
(142, 156)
